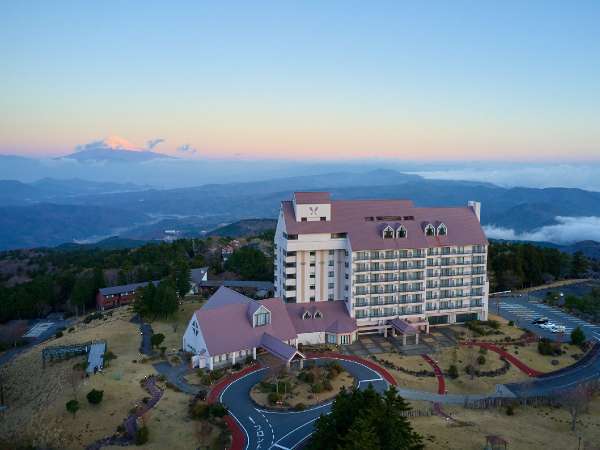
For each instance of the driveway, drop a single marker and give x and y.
(265, 429)
(522, 310)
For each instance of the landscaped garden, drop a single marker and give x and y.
(299, 389)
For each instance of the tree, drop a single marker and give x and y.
(166, 302)
(72, 406)
(182, 277)
(577, 336)
(577, 400)
(250, 264)
(366, 420)
(83, 292)
(95, 396)
(579, 265)
(157, 339)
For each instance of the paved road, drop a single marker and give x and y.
(283, 430)
(524, 309)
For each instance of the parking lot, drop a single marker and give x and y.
(524, 309)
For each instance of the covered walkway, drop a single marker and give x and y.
(281, 350)
(405, 329)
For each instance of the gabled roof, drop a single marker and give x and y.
(278, 348)
(225, 296)
(403, 327)
(360, 220)
(335, 317)
(225, 326)
(113, 290)
(319, 198)
(197, 275)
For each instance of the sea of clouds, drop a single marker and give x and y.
(567, 230)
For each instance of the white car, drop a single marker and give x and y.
(558, 329)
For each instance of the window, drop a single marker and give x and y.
(330, 297)
(429, 230)
(388, 233)
(306, 315)
(345, 339)
(331, 274)
(442, 230)
(331, 263)
(262, 318)
(312, 287)
(331, 285)
(318, 315)
(312, 253)
(312, 298)
(323, 219)
(331, 252)
(331, 338)
(401, 232)
(303, 219)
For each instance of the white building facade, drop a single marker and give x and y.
(385, 259)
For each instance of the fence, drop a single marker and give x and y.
(501, 402)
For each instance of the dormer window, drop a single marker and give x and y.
(262, 318)
(401, 232)
(195, 328)
(442, 230)
(429, 230)
(388, 232)
(318, 315)
(306, 315)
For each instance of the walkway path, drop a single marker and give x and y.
(176, 374)
(130, 423)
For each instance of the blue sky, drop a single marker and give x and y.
(433, 80)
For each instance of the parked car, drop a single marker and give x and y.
(558, 329)
(540, 320)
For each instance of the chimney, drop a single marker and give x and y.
(476, 208)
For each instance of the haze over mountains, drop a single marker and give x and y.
(52, 212)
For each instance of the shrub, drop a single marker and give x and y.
(199, 410)
(300, 406)
(317, 388)
(306, 376)
(157, 339)
(577, 336)
(483, 350)
(162, 351)
(216, 374)
(109, 356)
(548, 348)
(206, 380)
(327, 385)
(249, 359)
(71, 329)
(453, 371)
(94, 396)
(511, 323)
(72, 406)
(141, 435)
(481, 360)
(237, 366)
(510, 410)
(274, 397)
(59, 334)
(470, 369)
(200, 373)
(217, 410)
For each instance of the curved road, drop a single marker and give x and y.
(284, 429)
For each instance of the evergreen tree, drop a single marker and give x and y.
(579, 265)
(182, 278)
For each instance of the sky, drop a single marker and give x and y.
(421, 81)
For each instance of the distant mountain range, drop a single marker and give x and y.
(81, 211)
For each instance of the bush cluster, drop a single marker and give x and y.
(548, 348)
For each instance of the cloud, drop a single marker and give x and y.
(110, 143)
(154, 142)
(583, 176)
(187, 148)
(566, 231)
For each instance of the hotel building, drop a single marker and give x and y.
(386, 259)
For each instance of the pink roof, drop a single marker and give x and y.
(320, 198)
(226, 328)
(352, 217)
(335, 317)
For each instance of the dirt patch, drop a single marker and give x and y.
(414, 363)
(295, 390)
(36, 396)
(529, 428)
(529, 355)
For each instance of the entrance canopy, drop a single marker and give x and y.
(279, 349)
(403, 327)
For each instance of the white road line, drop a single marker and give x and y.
(295, 429)
(280, 446)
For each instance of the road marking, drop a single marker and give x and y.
(296, 429)
(251, 419)
(38, 329)
(280, 446)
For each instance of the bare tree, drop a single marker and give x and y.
(577, 400)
